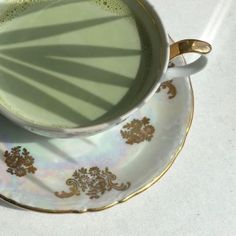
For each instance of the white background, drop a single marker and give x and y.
(197, 196)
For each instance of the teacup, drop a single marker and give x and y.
(88, 70)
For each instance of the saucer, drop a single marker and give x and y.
(78, 175)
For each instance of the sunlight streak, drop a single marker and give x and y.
(216, 20)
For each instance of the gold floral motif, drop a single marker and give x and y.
(93, 182)
(20, 163)
(171, 88)
(138, 131)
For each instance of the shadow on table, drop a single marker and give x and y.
(10, 206)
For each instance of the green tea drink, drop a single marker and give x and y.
(68, 63)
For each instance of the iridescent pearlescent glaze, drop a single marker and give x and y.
(77, 175)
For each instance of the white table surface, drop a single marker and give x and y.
(197, 196)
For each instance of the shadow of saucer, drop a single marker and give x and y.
(9, 205)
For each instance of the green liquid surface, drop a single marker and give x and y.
(68, 63)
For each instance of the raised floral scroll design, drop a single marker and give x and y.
(19, 162)
(138, 131)
(171, 88)
(93, 182)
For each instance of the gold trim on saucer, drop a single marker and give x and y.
(142, 189)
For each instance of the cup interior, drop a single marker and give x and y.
(153, 57)
(79, 70)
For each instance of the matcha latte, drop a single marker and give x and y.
(71, 63)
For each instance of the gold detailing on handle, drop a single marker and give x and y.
(189, 45)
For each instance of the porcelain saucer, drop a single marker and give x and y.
(79, 175)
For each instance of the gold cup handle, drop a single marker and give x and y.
(188, 46)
